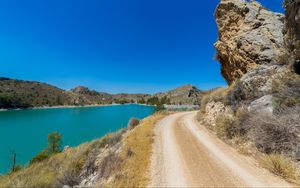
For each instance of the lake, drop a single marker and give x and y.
(26, 131)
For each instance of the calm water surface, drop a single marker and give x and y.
(26, 131)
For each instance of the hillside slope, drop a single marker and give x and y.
(21, 94)
(187, 94)
(118, 159)
(25, 94)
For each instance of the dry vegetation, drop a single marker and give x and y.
(136, 153)
(66, 168)
(274, 137)
(282, 166)
(118, 159)
(217, 95)
(48, 173)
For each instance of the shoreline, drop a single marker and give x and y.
(70, 106)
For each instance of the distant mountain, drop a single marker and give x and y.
(92, 96)
(25, 94)
(106, 98)
(130, 98)
(187, 94)
(21, 94)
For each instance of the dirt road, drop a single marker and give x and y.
(185, 154)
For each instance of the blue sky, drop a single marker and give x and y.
(112, 45)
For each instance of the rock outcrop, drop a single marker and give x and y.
(249, 35)
(292, 31)
(214, 110)
(185, 95)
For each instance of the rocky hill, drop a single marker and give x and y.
(21, 94)
(92, 96)
(259, 54)
(187, 94)
(249, 36)
(25, 94)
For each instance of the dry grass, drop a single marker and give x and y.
(124, 166)
(42, 174)
(282, 166)
(243, 146)
(136, 152)
(53, 172)
(217, 95)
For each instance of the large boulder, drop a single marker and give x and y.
(249, 35)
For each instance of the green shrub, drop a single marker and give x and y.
(158, 101)
(39, 157)
(54, 143)
(17, 168)
(160, 108)
(54, 146)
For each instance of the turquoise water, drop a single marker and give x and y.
(26, 131)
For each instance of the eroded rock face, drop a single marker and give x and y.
(292, 31)
(249, 35)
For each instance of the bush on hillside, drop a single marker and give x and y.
(158, 101)
(228, 127)
(286, 91)
(54, 146)
(239, 94)
(70, 178)
(141, 101)
(275, 134)
(40, 157)
(133, 122)
(109, 164)
(54, 143)
(160, 108)
(282, 166)
(217, 95)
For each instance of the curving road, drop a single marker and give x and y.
(185, 154)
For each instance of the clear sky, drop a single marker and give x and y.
(112, 45)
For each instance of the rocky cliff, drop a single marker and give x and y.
(249, 35)
(259, 52)
(292, 31)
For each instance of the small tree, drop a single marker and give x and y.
(54, 146)
(160, 108)
(54, 143)
(142, 101)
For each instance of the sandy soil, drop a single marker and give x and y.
(185, 154)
